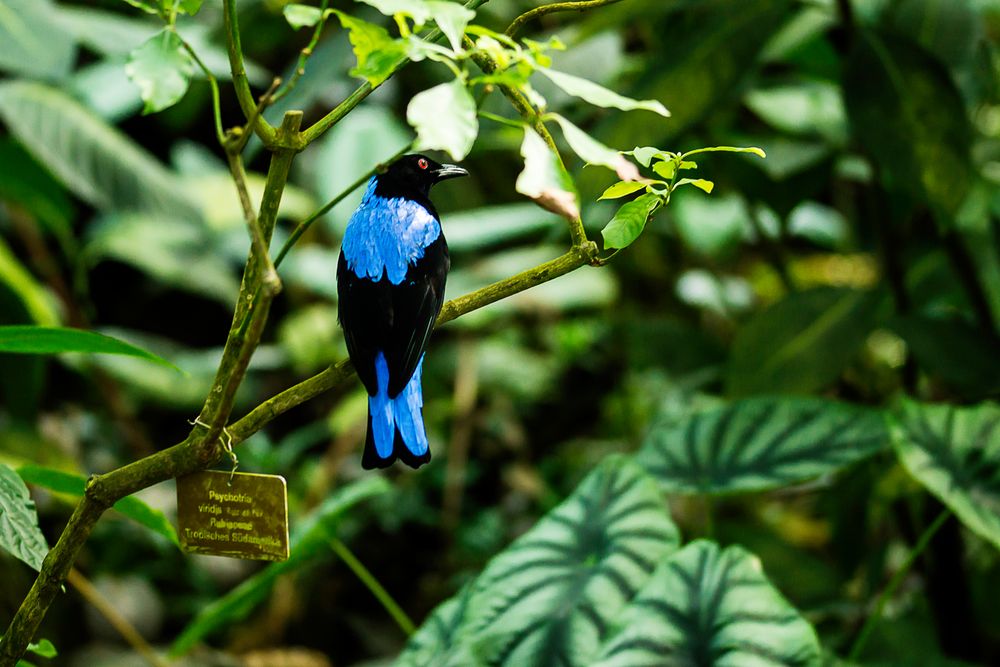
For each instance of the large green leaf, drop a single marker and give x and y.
(19, 531)
(94, 160)
(705, 606)
(29, 339)
(378, 54)
(598, 95)
(445, 119)
(760, 443)
(924, 151)
(544, 178)
(802, 343)
(308, 541)
(548, 599)
(162, 70)
(955, 453)
(61, 481)
(628, 223)
(32, 41)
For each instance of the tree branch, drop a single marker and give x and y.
(264, 130)
(537, 12)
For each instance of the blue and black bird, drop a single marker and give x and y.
(390, 283)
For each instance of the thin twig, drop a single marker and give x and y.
(305, 53)
(114, 617)
(234, 48)
(372, 584)
(537, 12)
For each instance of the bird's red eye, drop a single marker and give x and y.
(422, 163)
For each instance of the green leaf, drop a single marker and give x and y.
(591, 150)
(19, 531)
(629, 221)
(599, 95)
(802, 343)
(162, 70)
(378, 54)
(33, 42)
(309, 540)
(145, 6)
(69, 483)
(643, 154)
(925, 151)
(191, 7)
(452, 18)
(621, 189)
(549, 597)
(699, 183)
(37, 302)
(301, 16)
(955, 453)
(24, 181)
(43, 649)
(55, 340)
(760, 443)
(445, 119)
(706, 606)
(727, 149)
(544, 179)
(665, 169)
(95, 161)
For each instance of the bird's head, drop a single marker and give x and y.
(413, 175)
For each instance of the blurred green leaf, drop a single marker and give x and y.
(191, 7)
(955, 453)
(445, 119)
(145, 5)
(549, 597)
(43, 649)
(709, 606)
(700, 183)
(94, 160)
(591, 150)
(19, 531)
(599, 95)
(808, 108)
(37, 302)
(377, 52)
(162, 70)
(622, 189)
(924, 151)
(544, 179)
(802, 343)
(55, 340)
(710, 226)
(301, 16)
(33, 42)
(485, 227)
(629, 221)
(962, 356)
(643, 154)
(757, 444)
(308, 541)
(69, 483)
(25, 182)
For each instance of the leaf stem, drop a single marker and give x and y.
(372, 584)
(894, 583)
(532, 14)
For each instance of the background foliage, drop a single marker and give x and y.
(722, 446)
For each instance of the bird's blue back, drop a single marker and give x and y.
(387, 235)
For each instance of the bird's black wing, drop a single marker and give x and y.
(396, 319)
(416, 303)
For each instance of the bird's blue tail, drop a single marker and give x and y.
(395, 424)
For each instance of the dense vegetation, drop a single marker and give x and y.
(739, 412)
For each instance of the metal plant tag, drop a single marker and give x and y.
(239, 515)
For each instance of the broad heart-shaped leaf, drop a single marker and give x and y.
(629, 221)
(61, 481)
(599, 95)
(955, 453)
(548, 599)
(162, 70)
(760, 443)
(544, 179)
(925, 151)
(377, 52)
(445, 119)
(705, 606)
(27, 339)
(802, 343)
(92, 159)
(308, 541)
(33, 42)
(19, 531)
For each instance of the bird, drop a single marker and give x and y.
(390, 286)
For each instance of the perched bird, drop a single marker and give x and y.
(390, 283)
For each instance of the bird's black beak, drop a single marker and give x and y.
(446, 171)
